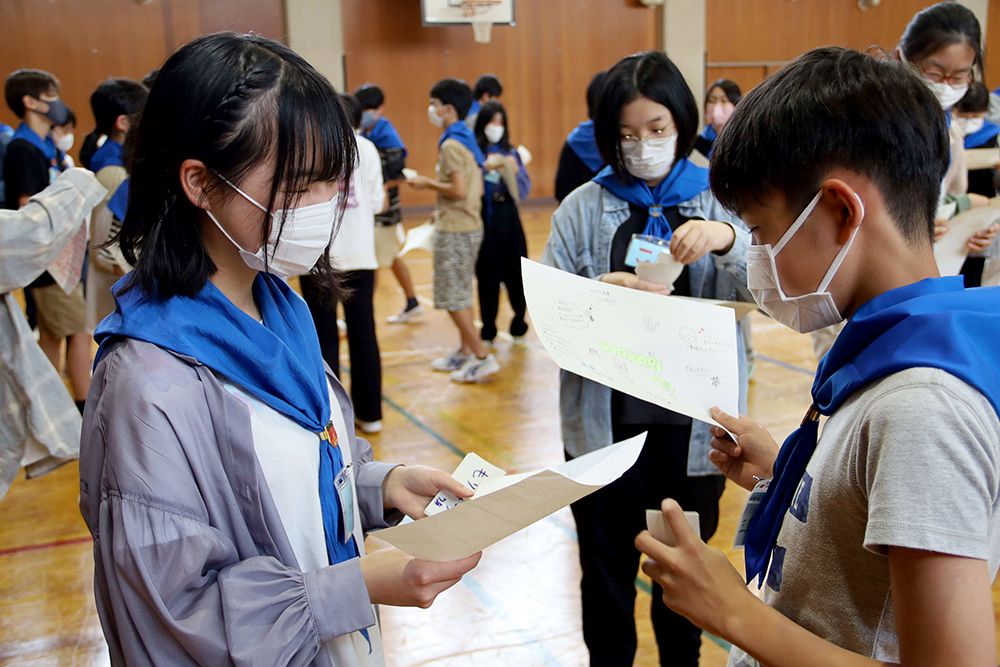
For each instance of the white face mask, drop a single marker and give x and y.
(948, 96)
(432, 115)
(970, 125)
(304, 239)
(650, 159)
(494, 133)
(65, 143)
(805, 313)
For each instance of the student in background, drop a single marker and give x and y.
(116, 105)
(580, 159)
(353, 253)
(459, 188)
(64, 139)
(487, 88)
(506, 183)
(388, 223)
(720, 102)
(836, 162)
(646, 124)
(234, 533)
(32, 163)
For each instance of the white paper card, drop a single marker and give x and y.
(742, 308)
(676, 353)
(472, 471)
(950, 252)
(420, 237)
(665, 270)
(658, 527)
(981, 158)
(504, 505)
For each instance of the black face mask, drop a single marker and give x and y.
(58, 112)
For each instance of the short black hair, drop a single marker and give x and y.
(837, 108)
(648, 74)
(31, 82)
(353, 109)
(730, 88)
(70, 118)
(454, 92)
(594, 89)
(488, 84)
(114, 98)
(940, 26)
(976, 100)
(369, 96)
(486, 113)
(233, 102)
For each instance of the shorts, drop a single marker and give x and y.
(455, 255)
(59, 313)
(387, 243)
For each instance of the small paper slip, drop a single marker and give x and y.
(677, 353)
(950, 252)
(664, 270)
(409, 174)
(472, 471)
(658, 527)
(504, 505)
(981, 158)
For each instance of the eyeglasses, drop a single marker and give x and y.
(663, 133)
(955, 80)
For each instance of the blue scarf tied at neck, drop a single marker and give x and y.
(46, 145)
(461, 133)
(934, 323)
(583, 141)
(384, 135)
(685, 181)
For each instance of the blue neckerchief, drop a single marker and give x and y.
(384, 135)
(279, 362)
(473, 109)
(983, 135)
(934, 323)
(118, 204)
(709, 134)
(46, 145)
(108, 155)
(583, 141)
(685, 181)
(461, 133)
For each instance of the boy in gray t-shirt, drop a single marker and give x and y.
(878, 541)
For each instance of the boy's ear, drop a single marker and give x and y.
(30, 103)
(851, 208)
(195, 179)
(123, 124)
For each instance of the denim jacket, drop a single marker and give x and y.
(583, 228)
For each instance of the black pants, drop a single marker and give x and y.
(359, 313)
(500, 262)
(608, 521)
(972, 271)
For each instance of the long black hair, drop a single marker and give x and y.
(648, 74)
(231, 101)
(486, 114)
(940, 26)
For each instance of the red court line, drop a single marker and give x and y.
(44, 545)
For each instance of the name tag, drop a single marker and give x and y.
(644, 249)
(753, 502)
(345, 489)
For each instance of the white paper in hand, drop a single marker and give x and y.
(420, 238)
(950, 252)
(658, 527)
(665, 270)
(472, 471)
(409, 174)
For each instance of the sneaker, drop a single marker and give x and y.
(476, 370)
(369, 427)
(452, 362)
(518, 341)
(406, 315)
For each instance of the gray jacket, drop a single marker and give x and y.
(583, 228)
(192, 564)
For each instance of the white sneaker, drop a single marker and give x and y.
(452, 362)
(476, 370)
(369, 427)
(406, 315)
(518, 341)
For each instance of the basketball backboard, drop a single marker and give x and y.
(450, 12)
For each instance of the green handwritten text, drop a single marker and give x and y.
(637, 359)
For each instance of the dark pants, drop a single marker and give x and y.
(500, 262)
(359, 313)
(608, 521)
(972, 271)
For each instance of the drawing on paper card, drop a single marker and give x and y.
(688, 335)
(572, 315)
(633, 357)
(650, 325)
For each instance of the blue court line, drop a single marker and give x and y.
(529, 640)
(785, 364)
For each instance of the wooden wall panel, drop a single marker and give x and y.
(85, 43)
(745, 77)
(544, 62)
(992, 30)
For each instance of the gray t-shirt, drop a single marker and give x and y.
(911, 460)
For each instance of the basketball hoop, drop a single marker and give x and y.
(477, 11)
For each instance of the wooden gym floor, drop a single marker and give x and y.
(520, 607)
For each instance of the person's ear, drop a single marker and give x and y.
(30, 103)
(122, 123)
(850, 209)
(195, 180)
